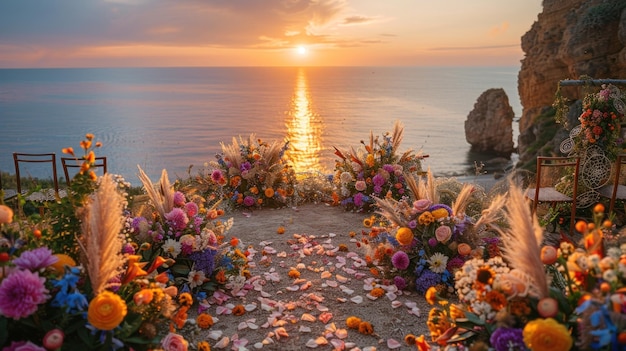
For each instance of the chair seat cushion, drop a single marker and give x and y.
(548, 195)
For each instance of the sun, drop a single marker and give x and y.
(301, 50)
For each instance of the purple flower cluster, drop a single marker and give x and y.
(507, 339)
(425, 280)
(204, 260)
(36, 259)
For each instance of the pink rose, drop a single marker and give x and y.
(443, 234)
(421, 205)
(174, 342)
(360, 185)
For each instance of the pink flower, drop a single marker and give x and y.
(360, 185)
(443, 234)
(191, 208)
(421, 205)
(36, 259)
(21, 292)
(217, 175)
(400, 260)
(174, 342)
(179, 199)
(249, 201)
(23, 346)
(177, 218)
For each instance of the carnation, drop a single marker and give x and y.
(179, 199)
(36, 259)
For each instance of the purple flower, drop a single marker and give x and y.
(454, 263)
(36, 259)
(21, 292)
(399, 282)
(358, 200)
(378, 180)
(400, 260)
(177, 218)
(425, 280)
(249, 201)
(179, 199)
(128, 249)
(378, 189)
(217, 175)
(504, 339)
(140, 225)
(23, 346)
(413, 224)
(438, 206)
(432, 242)
(389, 168)
(246, 166)
(204, 260)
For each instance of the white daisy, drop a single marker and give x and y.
(196, 278)
(171, 247)
(438, 262)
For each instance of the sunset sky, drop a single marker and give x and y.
(113, 33)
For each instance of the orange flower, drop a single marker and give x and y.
(431, 295)
(185, 299)
(404, 235)
(220, 277)
(377, 292)
(366, 328)
(280, 230)
(269, 192)
(374, 272)
(234, 242)
(68, 150)
(143, 296)
(294, 273)
(254, 190)
(353, 322)
(106, 311)
(343, 248)
(204, 346)
(204, 320)
(496, 299)
(180, 317)
(238, 310)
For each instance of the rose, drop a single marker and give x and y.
(360, 185)
(443, 234)
(547, 335)
(174, 342)
(106, 311)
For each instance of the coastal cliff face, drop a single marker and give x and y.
(570, 39)
(488, 127)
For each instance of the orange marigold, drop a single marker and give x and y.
(204, 346)
(239, 310)
(343, 248)
(280, 230)
(294, 273)
(377, 292)
(404, 235)
(366, 328)
(353, 322)
(204, 320)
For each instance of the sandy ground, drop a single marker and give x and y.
(333, 285)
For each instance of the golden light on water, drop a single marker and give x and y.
(304, 129)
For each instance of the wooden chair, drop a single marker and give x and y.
(19, 158)
(616, 190)
(70, 162)
(550, 170)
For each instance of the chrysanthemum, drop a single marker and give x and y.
(505, 339)
(437, 262)
(217, 175)
(249, 201)
(36, 259)
(20, 294)
(191, 208)
(399, 282)
(400, 260)
(179, 198)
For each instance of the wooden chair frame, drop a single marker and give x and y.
(535, 194)
(71, 162)
(616, 186)
(35, 158)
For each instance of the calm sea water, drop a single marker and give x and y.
(176, 117)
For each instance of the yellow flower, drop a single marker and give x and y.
(404, 236)
(370, 160)
(377, 292)
(185, 299)
(425, 218)
(431, 295)
(440, 213)
(547, 335)
(106, 311)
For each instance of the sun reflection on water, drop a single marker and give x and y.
(304, 129)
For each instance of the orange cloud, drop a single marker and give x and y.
(499, 30)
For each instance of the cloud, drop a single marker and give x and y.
(462, 48)
(499, 29)
(356, 19)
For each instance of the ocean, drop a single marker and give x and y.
(174, 118)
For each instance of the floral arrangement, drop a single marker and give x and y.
(421, 242)
(377, 169)
(94, 297)
(603, 113)
(190, 235)
(249, 174)
(535, 297)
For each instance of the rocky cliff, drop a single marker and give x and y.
(570, 39)
(488, 127)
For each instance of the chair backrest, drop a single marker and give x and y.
(70, 162)
(19, 158)
(552, 169)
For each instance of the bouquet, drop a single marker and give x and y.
(375, 170)
(93, 296)
(250, 174)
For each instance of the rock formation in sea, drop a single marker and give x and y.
(569, 40)
(489, 126)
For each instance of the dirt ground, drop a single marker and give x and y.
(283, 313)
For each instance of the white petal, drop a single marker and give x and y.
(341, 333)
(250, 307)
(311, 344)
(357, 299)
(223, 343)
(332, 283)
(338, 345)
(304, 329)
(215, 334)
(393, 344)
(396, 304)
